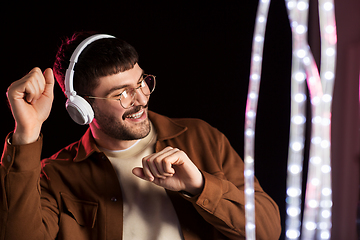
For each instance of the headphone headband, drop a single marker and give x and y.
(69, 75)
(78, 108)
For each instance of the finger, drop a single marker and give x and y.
(154, 169)
(162, 161)
(139, 172)
(29, 92)
(166, 160)
(34, 85)
(168, 169)
(37, 84)
(146, 170)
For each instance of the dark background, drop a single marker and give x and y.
(199, 51)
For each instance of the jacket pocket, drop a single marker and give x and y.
(84, 212)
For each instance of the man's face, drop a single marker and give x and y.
(114, 120)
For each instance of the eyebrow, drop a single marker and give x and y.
(115, 88)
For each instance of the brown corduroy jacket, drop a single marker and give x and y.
(76, 194)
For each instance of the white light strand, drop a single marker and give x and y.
(297, 11)
(314, 182)
(318, 200)
(327, 75)
(250, 116)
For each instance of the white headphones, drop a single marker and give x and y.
(78, 108)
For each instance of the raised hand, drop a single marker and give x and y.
(172, 169)
(31, 99)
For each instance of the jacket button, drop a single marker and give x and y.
(206, 202)
(113, 199)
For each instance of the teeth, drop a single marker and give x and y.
(136, 115)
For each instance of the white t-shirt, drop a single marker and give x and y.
(147, 210)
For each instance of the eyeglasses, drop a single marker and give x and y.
(127, 97)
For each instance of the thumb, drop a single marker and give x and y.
(49, 80)
(138, 172)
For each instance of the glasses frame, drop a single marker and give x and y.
(133, 90)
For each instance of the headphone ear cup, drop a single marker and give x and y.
(79, 110)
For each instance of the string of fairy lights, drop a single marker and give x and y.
(316, 222)
(250, 116)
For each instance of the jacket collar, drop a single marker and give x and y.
(166, 128)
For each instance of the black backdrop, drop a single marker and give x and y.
(199, 51)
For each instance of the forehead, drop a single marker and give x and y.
(128, 78)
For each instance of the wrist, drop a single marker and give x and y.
(196, 188)
(21, 137)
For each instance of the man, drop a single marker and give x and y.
(134, 174)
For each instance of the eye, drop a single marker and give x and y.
(124, 94)
(119, 94)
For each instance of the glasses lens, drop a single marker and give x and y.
(150, 85)
(127, 98)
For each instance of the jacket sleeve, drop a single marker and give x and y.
(222, 202)
(21, 213)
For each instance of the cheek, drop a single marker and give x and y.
(109, 109)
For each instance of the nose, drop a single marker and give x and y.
(140, 98)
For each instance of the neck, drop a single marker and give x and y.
(107, 142)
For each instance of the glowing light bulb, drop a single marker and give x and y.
(299, 97)
(325, 235)
(249, 191)
(249, 206)
(302, 5)
(315, 160)
(310, 225)
(326, 191)
(327, 98)
(261, 19)
(250, 225)
(325, 168)
(251, 114)
(325, 144)
(313, 203)
(293, 192)
(292, 234)
(300, 29)
(249, 132)
(330, 51)
(299, 76)
(259, 38)
(325, 213)
(295, 169)
(249, 159)
(328, 6)
(248, 173)
(293, 211)
(257, 58)
(255, 76)
(301, 53)
(329, 75)
(329, 28)
(315, 182)
(298, 119)
(317, 119)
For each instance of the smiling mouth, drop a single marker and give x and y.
(136, 115)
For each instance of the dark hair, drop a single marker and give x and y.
(101, 58)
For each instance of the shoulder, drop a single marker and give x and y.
(194, 124)
(77, 151)
(66, 154)
(189, 126)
